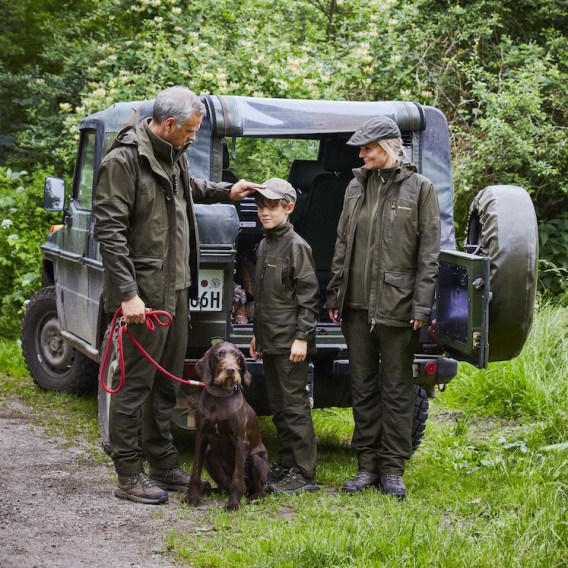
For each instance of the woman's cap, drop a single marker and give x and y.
(276, 188)
(376, 128)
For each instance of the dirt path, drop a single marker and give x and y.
(57, 507)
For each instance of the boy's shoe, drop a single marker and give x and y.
(140, 488)
(362, 480)
(277, 472)
(393, 485)
(294, 483)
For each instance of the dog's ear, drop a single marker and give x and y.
(246, 376)
(203, 368)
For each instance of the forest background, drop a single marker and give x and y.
(497, 69)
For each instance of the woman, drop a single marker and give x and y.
(383, 277)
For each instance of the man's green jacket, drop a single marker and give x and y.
(136, 222)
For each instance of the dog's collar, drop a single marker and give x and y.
(222, 393)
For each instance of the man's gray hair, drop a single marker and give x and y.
(176, 102)
(393, 147)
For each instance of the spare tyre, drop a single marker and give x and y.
(502, 225)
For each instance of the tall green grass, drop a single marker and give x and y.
(534, 384)
(487, 487)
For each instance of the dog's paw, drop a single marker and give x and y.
(260, 494)
(192, 500)
(233, 505)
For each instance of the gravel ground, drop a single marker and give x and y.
(57, 507)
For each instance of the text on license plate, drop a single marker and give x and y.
(210, 292)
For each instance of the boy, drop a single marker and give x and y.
(286, 310)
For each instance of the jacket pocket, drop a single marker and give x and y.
(150, 280)
(398, 291)
(402, 222)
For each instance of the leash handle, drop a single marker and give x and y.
(152, 319)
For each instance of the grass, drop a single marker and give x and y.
(487, 487)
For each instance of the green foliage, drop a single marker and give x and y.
(23, 228)
(532, 385)
(496, 69)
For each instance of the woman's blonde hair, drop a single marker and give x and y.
(393, 147)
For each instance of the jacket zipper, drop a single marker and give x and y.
(390, 183)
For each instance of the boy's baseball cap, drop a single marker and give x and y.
(277, 188)
(376, 128)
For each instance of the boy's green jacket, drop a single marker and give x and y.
(286, 292)
(405, 252)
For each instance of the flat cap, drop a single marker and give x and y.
(277, 188)
(376, 128)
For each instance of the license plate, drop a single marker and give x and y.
(210, 292)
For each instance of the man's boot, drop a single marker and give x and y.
(140, 488)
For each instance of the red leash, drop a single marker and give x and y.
(152, 319)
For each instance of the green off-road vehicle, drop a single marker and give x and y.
(485, 295)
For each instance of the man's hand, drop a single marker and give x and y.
(243, 189)
(134, 310)
(298, 350)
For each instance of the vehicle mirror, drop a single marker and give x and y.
(53, 194)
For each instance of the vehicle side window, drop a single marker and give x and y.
(85, 171)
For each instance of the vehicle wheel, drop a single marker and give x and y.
(502, 225)
(103, 396)
(421, 405)
(53, 363)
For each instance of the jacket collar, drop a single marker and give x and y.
(156, 146)
(278, 231)
(401, 171)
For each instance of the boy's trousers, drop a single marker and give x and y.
(289, 403)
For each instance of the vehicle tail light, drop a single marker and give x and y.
(431, 368)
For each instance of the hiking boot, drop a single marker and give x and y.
(362, 480)
(392, 484)
(175, 479)
(277, 472)
(140, 488)
(294, 483)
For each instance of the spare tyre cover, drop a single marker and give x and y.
(502, 225)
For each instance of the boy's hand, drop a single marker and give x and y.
(417, 324)
(299, 350)
(334, 315)
(253, 352)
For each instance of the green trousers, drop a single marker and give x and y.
(140, 413)
(382, 390)
(286, 390)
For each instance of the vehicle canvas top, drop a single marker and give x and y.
(424, 130)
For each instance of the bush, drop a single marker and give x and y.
(23, 227)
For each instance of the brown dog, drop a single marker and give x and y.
(228, 438)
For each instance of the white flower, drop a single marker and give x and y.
(6, 223)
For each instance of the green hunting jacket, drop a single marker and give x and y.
(135, 221)
(286, 292)
(404, 253)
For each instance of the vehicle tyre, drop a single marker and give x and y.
(103, 396)
(53, 363)
(502, 225)
(421, 406)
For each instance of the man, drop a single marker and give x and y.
(383, 277)
(145, 225)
